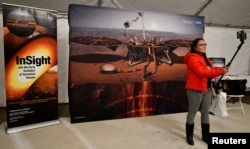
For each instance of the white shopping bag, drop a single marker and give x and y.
(219, 107)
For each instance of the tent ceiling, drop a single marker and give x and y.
(221, 13)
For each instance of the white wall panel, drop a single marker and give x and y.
(223, 42)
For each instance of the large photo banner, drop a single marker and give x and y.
(30, 51)
(127, 63)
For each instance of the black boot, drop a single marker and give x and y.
(205, 132)
(189, 133)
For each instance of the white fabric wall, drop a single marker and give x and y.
(63, 58)
(222, 42)
(2, 68)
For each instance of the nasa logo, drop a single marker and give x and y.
(198, 22)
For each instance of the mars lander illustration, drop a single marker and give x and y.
(126, 66)
(141, 48)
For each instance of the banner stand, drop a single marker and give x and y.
(31, 67)
(129, 65)
(33, 126)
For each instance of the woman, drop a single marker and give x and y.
(199, 73)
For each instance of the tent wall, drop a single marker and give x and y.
(223, 42)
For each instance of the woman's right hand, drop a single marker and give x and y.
(225, 70)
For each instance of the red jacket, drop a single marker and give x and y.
(198, 72)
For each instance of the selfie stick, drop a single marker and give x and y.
(242, 36)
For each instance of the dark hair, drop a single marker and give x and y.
(192, 50)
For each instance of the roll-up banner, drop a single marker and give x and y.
(30, 51)
(128, 63)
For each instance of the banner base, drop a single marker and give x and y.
(28, 127)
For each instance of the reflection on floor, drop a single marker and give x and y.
(159, 132)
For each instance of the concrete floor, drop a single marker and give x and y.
(153, 132)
